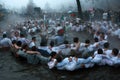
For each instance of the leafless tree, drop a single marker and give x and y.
(79, 9)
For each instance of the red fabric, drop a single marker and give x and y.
(73, 15)
(61, 32)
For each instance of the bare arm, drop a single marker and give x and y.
(32, 52)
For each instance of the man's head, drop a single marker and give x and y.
(100, 51)
(4, 35)
(115, 51)
(33, 38)
(106, 45)
(75, 39)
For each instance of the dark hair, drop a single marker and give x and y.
(52, 43)
(58, 24)
(106, 45)
(25, 46)
(100, 51)
(102, 35)
(66, 42)
(75, 39)
(19, 43)
(115, 51)
(96, 39)
(4, 35)
(53, 54)
(22, 35)
(59, 58)
(14, 42)
(34, 48)
(98, 33)
(33, 38)
(87, 41)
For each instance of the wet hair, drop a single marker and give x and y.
(22, 35)
(52, 43)
(19, 43)
(75, 39)
(66, 42)
(53, 54)
(100, 51)
(115, 51)
(4, 35)
(33, 38)
(25, 46)
(98, 33)
(106, 45)
(59, 58)
(58, 24)
(87, 41)
(14, 42)
(96, 39)
(34, 48)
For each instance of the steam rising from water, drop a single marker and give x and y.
(10, 20)
(17, 4)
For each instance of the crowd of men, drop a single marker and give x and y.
(55, 50)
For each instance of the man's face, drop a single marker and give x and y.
(70, 59)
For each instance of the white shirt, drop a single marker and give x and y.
(107, 52)
(46, 48)
(51, 64)
(95, 45)
(56, 49)
(32, 44)
(23, 40)
(71, 65)
(6, 42)
(61, 65)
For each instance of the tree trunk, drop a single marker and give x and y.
(79, 9)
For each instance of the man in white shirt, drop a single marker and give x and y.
(86, 48)
(106, 49)
(32, 43)
(113, 57)
(5, 42)
(98, 57)
(23, 39)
